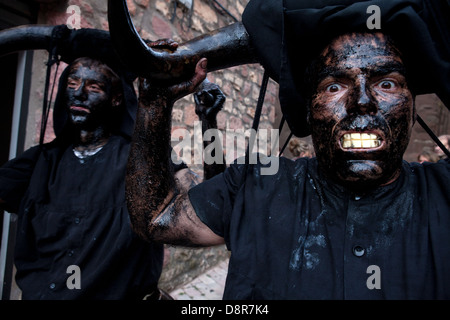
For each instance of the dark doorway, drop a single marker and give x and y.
(13, 13)
(8, 65)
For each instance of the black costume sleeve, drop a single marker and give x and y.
(15, 176)
(213, 199)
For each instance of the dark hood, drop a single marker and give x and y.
(69, 45)
(124, 121)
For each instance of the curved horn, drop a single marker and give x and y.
(224, 48)
(27, 37)
(70, 44)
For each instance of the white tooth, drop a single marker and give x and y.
(367, 144)
(355, 136)
(373, 136)
(347, 144)
(356, 144)
(365, 136)
(347, 136)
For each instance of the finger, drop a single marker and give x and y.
(208, 97)
(190, 86)
(200, 72)
(163, 44)
(218, 104)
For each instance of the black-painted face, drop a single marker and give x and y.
(89, 96)
(362, 111)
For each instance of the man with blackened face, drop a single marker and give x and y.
(93, 97)
(354, 222)
(70, 195)
(362, 111)
(73, 210)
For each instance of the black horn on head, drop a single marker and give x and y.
(224, 48)
(63, 42)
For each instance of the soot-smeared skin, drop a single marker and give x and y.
(166, 227)
(209, 100)
(94, 89)
(153, 193)
(361, 106)
(147, 189)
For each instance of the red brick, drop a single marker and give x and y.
(161, 28)
(189, 115)
(131, 7)
(143, 3)
(235, 123)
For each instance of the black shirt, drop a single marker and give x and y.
(296, 235)
(81, 219)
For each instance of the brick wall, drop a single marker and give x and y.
(436, 116)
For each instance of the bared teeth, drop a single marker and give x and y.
(360, 141)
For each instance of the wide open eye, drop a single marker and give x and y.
(386, 85)
(333, 88)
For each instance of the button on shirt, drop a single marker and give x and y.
(297, 235)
